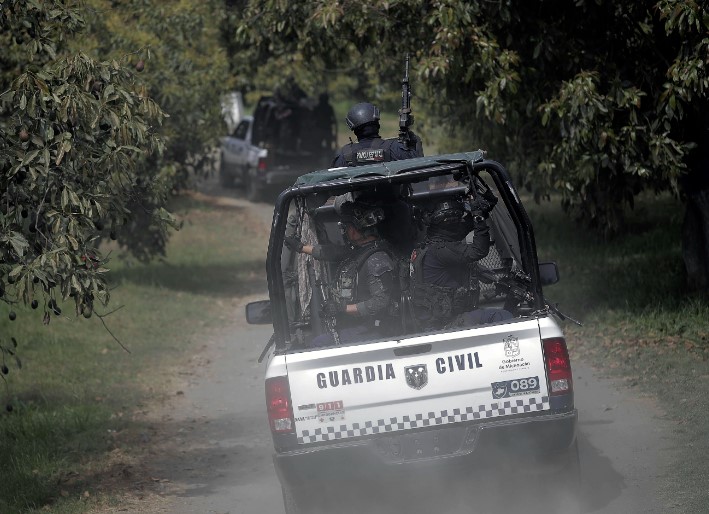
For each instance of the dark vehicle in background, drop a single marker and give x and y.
(284, 138)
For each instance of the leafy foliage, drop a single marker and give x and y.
(625, 126)
(175, 46)
(72, 175)
(595, 99)
(317, 41)
(72, 133)
(105, 110)
(183, 66)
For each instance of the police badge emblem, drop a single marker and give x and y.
(511, 346)
(416, 376)
(499, 390)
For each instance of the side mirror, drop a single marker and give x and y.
(548, 273)
(259, 313)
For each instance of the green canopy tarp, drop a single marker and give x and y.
(386, 169)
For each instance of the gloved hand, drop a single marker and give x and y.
(294, 244)
(482, 206)
(334, 306)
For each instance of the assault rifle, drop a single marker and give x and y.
(516, 284)
(317, 323)
(316, 301)
(476, 186)
(406, 119)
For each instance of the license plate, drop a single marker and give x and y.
(421, 445)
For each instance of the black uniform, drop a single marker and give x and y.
(444, 283)
(371, 149)
(365, 278)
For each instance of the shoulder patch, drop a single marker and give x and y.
(379, 263)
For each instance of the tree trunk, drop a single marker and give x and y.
(695, 241)
(695, 184)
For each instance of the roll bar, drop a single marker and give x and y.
(497, 172)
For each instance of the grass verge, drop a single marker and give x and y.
(640, 325)
(78, 389)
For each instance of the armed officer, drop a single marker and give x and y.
(370, 148)
(361, 299)
(444, 283)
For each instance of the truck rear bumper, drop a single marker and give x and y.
(281, 178)
(524, 439)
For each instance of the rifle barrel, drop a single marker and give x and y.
(316, 301)
(405, 112)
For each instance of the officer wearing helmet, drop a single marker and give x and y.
(444, 285)
(362, 295)
(370, 148)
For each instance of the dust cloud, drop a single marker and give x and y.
(488, 489)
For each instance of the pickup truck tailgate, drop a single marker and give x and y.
(352, 391)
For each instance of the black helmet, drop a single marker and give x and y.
(361, 215)
(360, 114)
(447, 211)
(366, 216)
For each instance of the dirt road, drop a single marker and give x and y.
(211, 451)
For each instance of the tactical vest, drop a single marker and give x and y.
(368, 152)
(435, 305)
(346, 285)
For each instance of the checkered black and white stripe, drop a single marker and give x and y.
(492, 410)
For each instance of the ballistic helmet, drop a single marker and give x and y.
(361, 114)
(447, 211)
(363, 216)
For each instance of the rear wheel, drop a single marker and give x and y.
(254, 192)
(225, 179)
(564, 484)
(548, 483)
(289, 502)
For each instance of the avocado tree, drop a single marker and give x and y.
(74, 132)
(594, 99)
(105, 110)
(176, 50)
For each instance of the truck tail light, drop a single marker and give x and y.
(558, 365)
(262, 164)
(278, 404)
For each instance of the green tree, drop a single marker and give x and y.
(182, 62)
(595, 99)
(106, 108)
(74, 132)
(176, 47)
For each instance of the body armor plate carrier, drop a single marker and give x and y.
(346, 285)
(368, 152)
(436, 305)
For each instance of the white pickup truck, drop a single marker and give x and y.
(276, 145)
(375, 411)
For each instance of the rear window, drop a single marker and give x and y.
(306, 127)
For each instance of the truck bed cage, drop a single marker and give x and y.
(342, 180)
